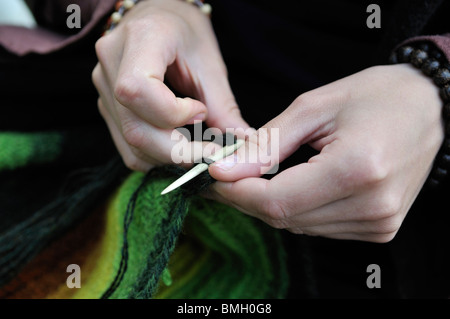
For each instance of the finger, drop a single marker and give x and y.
(340, 216)
(369, 228)
(296, 190)
(135, 138)
(187, 153)
(358, 207)
(254, 158)
(366, 213)
(129, 157)
(272, 143)
(140, 84)
(131, 69)
(164, 146)
(381, 227)
(322, 180)
(102, 85)
(366, 237)
(183, 152)
(228, 193)
(109, 53)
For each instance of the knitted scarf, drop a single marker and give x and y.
(129, 241)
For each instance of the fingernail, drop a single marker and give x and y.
(227, 163)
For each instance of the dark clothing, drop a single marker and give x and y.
(274, 52)
(273, 55)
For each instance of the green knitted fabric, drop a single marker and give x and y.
(22, 149)
(236, 256)
(37, 219)
(179, 245)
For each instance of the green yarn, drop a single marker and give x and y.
(146, 235)
(237, 256)
(178, 245)
(252, 254)
(166, 277)
(22, 149)
(248, 259)
(26, 158)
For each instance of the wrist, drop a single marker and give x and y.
(123, 6)
(432, 63)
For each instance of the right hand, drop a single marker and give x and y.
(158, 40)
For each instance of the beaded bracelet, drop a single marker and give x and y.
(123, 6)
(433, 64)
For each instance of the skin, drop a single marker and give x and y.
(159, 40)
(377, 131)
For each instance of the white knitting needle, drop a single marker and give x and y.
(199, 168)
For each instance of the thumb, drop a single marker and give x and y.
(268, 146)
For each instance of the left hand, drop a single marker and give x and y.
(378, 132)
(160, 42)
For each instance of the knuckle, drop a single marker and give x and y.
(275, 223)
(102, 47)
(389, 206)
(382, 208)
(133, 134)
(318, 99)
(170, 118)
(97, 75)
(175, 112)
(276, 214)
(296, 230)
(387, 226)
(305, 99)
(132, 162)
(126, 90)
(365, 170)
(383, 238)
(101, 108)
(375, 170)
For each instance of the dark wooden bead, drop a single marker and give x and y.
(435, 54)
(446, 112)
(444, 160)
(445, 93)
(404, 54)
(424, 47)
(432, 183)
(430, 66)
(418, 57)
(442, 76)
(439, 173)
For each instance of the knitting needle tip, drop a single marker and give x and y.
(195, 171)
(198, 169)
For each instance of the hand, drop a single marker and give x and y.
(377, 131)
(158, 40)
